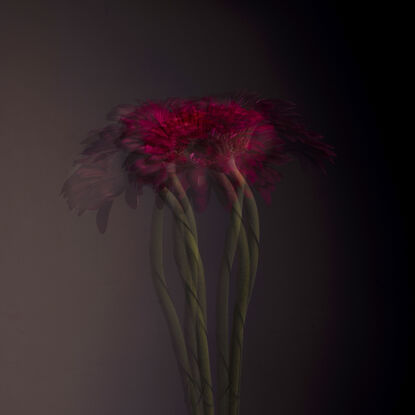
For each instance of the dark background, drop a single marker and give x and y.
(327, 331)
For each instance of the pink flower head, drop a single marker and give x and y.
(290, 140)
(190, 138)
(198, 135)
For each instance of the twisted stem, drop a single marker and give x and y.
(191, 304)
(201, 328)
(222, 298)
(191, 348)
(197, 268)
(251, 223)
(197, 272)
(169, 310)
(238, 326)
(248, 244)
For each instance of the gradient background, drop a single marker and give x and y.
(81, 331)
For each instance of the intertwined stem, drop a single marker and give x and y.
(173, 322)
(239, 316)
(251, 223)
(222, 299)
(248, 243)
(197, 268)
(197, 307)
(251, 219)
(192, 348)
(191, 304)
(189, 268)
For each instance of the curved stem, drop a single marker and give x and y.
(182, 262)
(201, 329)
(239, 316)
(197, 268)
(251, 221)
(172, 319)
(248, 257)
(184, 201)
(222, 299)
(197, 273)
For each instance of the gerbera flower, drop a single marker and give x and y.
(190, 138)
(289, 140)
(198, 136)
(186, 145)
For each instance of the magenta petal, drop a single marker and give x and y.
(196, 136)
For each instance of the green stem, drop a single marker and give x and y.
(172, 319)
(203, 349)
(191, 305)
(239, 316)
(197, 271)
(222, 299)
(197, 268)
(184, 201)
(252, 229)
(248, 258)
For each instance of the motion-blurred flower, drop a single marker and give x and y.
(179, 146)
(99, 176)
(190, 137)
